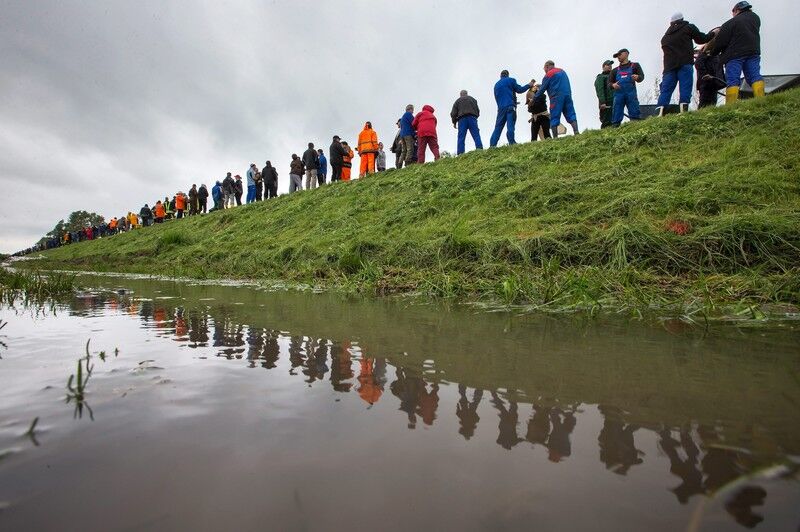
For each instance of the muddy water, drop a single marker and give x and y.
(232, 408)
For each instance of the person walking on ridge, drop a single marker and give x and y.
(557, 87)
(397, 148)
(193, 200)
(465, 115)
(202, 199)
(216, 196)
(336, 154)
(367, 148)
(605, 94)
(678, 61)
(380, 158)
(295, 174)
(238, 189)
(505, 94)
(739, 43)
(407, 136)
(425, 126)
(270, 176)
(623, 80)
(251, 183)
(228, 198)
(311, 163)
(347, 161)
(322, 172)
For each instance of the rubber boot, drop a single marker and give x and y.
(554, 131)
(731, 95)
(575, 130)
(684, 108)
(758, 89)
(659, 111)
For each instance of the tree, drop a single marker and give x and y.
(76, 221)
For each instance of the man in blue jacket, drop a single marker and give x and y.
(322, 172)
(407, 136)
(216, 195)
(505, 94)
(556, 84)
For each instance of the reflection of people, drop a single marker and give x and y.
(507, 437)
(467, 411)
(687, 469)
(317, 362)
(369, 389)
(272, 350)
(341, 370)
(428, 402)
(558, 443)
(539, 425)
(407, 389)
(617, 449)
(740, 506)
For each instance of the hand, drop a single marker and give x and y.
(615, 86)
(603, 106)
(636, 77)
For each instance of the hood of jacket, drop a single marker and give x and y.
(676, 26)
(427, 108)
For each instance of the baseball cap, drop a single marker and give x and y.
(608, 62)
(620, 51)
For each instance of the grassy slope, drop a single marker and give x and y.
(577, 222)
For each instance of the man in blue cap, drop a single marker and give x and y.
(739, 43)
(678, 60)
(623, 80)
(505, 94)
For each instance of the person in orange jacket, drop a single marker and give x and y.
(180, 204)
(160, 212)
(367, 148)
(347, 165)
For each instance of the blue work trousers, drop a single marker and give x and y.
(506, 117)
(682, 77)
(624, 97)
(468, 123)
(750, 66)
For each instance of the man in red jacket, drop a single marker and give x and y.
(425, 126)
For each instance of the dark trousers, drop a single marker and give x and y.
(259, 191)
(541, 122)
(238, 199)
(203, 204)
(605, 116)
(271, 191)
(708, 98)
(336, 175)
(320, 179)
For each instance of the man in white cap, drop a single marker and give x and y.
(679, 60)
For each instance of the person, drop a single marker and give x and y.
(347, 161)
(623, 80)
(380, 158)
(505, 94)
(678, 62)
(295, 174)
(322, 172)
(557, 87)
(259, 185)
(425, 126)
(238, 189)
(366, 148)
(169, 207)
(202, 199)
(216, 195)
(605, 95)
(160, 212)
(133, 220)
(540, 116)
(193, 200)
(228, 199)
(739, 45)
(710, 76)
(397, 148)
(311, 164)
(270, 177)
(336, 154)
(147, 215)
(180, 204)
(465, 115)
(251, 183)
(407, 136)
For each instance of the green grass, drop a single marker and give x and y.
(33, 287)
(576, 223)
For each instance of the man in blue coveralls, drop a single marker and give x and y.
(556, 83)
(623, 80)
(505, 94)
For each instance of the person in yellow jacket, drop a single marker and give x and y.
(367, 148)
(133, 220)
(347, 165)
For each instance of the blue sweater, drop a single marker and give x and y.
(406, 129)
(505, 92)
(323, 165)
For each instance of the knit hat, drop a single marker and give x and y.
(676, 17)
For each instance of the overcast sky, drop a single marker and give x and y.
(109, 104)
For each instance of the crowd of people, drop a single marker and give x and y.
(725, 53)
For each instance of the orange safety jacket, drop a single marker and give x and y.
(367, 141)
(348, 159)
(160, 212)
(180, 202)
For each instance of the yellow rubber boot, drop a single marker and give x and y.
(731, 95)
(758, 89)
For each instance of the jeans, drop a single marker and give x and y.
(751, 66)
(683, 76)
(506, 117)
(311, 179)
(424, 142)
(251, 193)
(468, 123)
(295, 183)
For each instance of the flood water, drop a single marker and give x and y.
(236, 408)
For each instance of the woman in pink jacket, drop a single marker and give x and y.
(425, 126)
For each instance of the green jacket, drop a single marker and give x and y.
(604, 93)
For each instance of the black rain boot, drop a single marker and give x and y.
(574, 125)
(554, 131)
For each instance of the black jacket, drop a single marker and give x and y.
(739, 37)
(270, 175)
(202, 192)
(311, 159)
(227, 185)
(709, 65)
(677, 44)
(465, 106)
(238, 188)
(146, 213)
(336, 154)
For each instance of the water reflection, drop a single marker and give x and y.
(697, 453)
